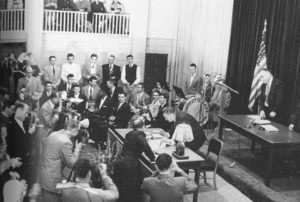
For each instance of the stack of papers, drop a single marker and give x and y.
(269, 128)
(155, 144)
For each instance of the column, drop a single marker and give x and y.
(34, 28)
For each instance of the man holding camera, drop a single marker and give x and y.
(57, 154)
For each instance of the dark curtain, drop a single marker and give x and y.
(282, 47)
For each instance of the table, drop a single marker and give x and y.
(194, 161)
(282, 140)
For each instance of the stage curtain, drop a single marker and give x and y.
(203, 38)
(282, 47)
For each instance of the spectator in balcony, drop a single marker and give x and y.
(111, 71)
(52, 72)
(83, 5)
(97, 7)
(117, 7)
(92, 69)
(50, 4)
(66, 5)
(71, 68)
(14, 4)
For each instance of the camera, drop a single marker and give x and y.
(83, 136)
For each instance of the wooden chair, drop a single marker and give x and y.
(214, 147)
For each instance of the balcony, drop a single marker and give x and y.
(83, 22)
(13, 24)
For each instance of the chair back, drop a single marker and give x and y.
(215, 146)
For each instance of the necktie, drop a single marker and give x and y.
(91, 93)
(53, 69)
(110, 69)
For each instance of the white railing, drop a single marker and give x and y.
(12, 20)
(74, 21)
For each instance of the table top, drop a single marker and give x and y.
(193, 157)
(283, 136)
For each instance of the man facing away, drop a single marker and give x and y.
(163, 186)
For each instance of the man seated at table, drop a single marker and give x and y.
(79, 99)
(104, 104)
(91, 91)
(271, 97)
(121, 113)
(163, 186)
(179, 117)
(67, 86)
(113, 90)
(81, 190)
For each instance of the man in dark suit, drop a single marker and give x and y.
(182, 117)
(121, 113)
(271, 98)
(67, 86)
(104, 104)
(20, 142)
(163, 186)
(79, 99)
(159, 121)
(46, 94)
(113, 90)
(111, 71)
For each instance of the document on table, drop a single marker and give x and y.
(155, 144)
(269, 128)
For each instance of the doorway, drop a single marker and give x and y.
(155, 70)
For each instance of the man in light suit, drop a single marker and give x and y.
(111, 71)
(92, 69)
(271, 97)
(57, 154)
(52, 72)
(48, 117)
(91, 91)
(163, 186)
(194, 84)
(139, 99)
(33, 88)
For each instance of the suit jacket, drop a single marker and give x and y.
(85, 92)
(199, 136)
(108, 193)
(122, 115)
(46, 116)
(57, 154)
(295, 119)
(86, 72)
(195, 86)
(80, 107)
(114, 96)
(165, 187)
(107, 107)
(49, 76)
(116, 72)
(20, 144)
(44, 98)
(34, 86)
(160, 121)
(275, 98)
(63, 87)
(139, 102)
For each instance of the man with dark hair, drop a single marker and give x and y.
(194, 84)
(271, 97)
(82, 191)
(130, 76)
(160, 121)
(111, 71)
(92, 68)
(113, 90)
(92, 90)
(163, 186)
(104, 104)
(127, 171)
(5, 117)
(52, 72)
(140, 98)
(47, 92)
(71, 68)
(79, 102)
(121, 113)
(67, 86)
(179, 117)
(57, 154)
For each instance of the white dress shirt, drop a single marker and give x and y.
(102, 102)
(71, 69)
(20, 123)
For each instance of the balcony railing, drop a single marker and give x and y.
(74, 21)
(12, 20)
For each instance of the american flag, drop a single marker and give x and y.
(261, 63)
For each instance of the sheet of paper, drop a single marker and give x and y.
(254, 116)
(155, 144)
(269, 128)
